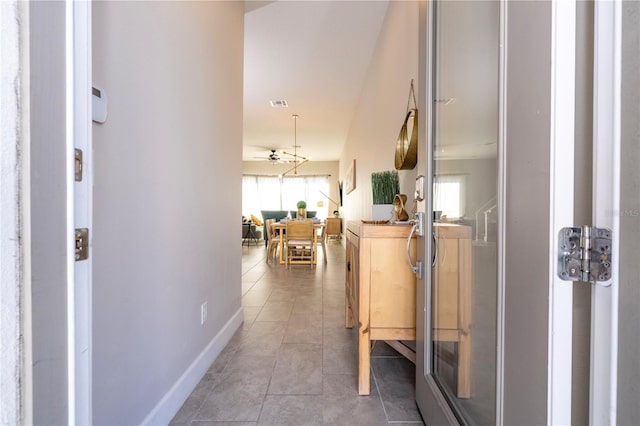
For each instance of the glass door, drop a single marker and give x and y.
(494, 318)
(456, 379)
(464, 167)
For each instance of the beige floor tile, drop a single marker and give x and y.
(293, 362)
(298, 370)
(291, 410)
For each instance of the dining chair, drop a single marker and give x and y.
(334, 227)
(322, 241)
(300, 244)
(272, 240)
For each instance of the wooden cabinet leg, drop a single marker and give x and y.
(364, 360)
(348, 321)
(464, 366)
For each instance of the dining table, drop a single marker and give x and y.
(282, 225)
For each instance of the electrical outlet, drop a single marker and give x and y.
(203, 313)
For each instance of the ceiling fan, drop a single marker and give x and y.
(272, 158)
(294, 158)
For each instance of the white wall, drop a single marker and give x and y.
(330, 168)
(167, 184)
(48, 212)
(382, 109)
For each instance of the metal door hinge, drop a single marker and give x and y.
(584, 254)
(78, 164)
(82, 243)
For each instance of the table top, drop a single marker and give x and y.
(283, 225)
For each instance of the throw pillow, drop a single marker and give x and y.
(255, 220)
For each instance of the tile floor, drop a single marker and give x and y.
(293, 363)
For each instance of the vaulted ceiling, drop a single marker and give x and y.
(314, 55)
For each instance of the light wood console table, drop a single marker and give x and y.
(380, 293)
(380, 289)
(452, 298)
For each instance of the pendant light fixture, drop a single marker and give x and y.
(297, 159)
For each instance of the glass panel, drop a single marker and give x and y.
(465, 135)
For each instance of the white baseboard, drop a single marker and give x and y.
(180, 391)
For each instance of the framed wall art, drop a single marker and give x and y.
(350, 178)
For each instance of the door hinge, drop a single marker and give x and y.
(584, 254)
(82, 243)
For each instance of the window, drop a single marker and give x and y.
(448, 195)
(260, 193)
(276, 193)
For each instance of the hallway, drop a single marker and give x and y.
(293, 362)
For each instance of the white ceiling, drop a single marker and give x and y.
(315, 55)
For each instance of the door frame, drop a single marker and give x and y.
(79, 210)
(562, 141)
(606, 207)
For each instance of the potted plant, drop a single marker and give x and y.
(384, 186)
(302, 210)
(336, 213)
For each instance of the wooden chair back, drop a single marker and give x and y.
(270, 231)
(299, 230)
(333, 225)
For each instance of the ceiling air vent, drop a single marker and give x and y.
(279, 104)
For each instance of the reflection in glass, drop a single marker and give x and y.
(465, 134)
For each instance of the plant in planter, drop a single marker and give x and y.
(302, 210)
(384, 186)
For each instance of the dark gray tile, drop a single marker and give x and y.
(223, 358)
(333, 315)
(275, 311)
(249, 369)
(263, 338)
(291, 410)
(337, 334)
(396, 382)
(381, 349)
(343, 406)
(304, 328)
(239, 394)
(308, 304)
(334, 296)
(233, 401)
(261, 328)
(298, 370)
(214, 423)
(194, 401)
(339, 359)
